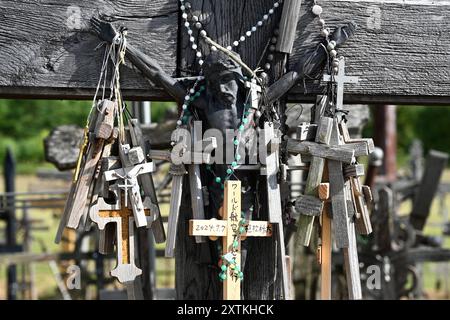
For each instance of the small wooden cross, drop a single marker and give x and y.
(340, 79)
(228, 229)
(103, 213)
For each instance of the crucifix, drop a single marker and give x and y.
(340, 79)
(101, 212)
(232, 230)
(130, 174)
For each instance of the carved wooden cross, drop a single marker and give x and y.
(228, 228)
(340, 79)
(103, 213)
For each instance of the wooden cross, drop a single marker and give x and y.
(103, 213)
(340, 79)
(130, 174)
(274, 197)
(228, 229)
(146, 181)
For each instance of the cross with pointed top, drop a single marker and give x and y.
(340, 79)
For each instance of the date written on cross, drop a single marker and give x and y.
(218, 228)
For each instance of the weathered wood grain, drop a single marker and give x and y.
(399, 51)
(47, 50)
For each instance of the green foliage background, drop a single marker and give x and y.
(25, 123)
(429, 124)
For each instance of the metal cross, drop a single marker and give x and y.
(340, 79)
(125, 188)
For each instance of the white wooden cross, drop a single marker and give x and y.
(340, 79)
(103, 213)
(130, 174)
(227, 229)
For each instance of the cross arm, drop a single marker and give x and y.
(309, 65)
(337, 153)
(218, 228)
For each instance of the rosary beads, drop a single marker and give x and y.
(331, 46)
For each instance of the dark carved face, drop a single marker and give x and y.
(224, 86)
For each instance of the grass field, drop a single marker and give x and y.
(46, 285)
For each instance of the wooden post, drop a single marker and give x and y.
(386, 138)
(326, 244)
(288, 25)
(11, 223)
(228, 229)
(434, 167)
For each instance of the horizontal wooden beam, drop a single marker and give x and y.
(48, 51)
(400, 51)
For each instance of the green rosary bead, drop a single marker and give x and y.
(234, 164)
(235, 244)
(241, 127)
(245, 120)
(241, 275)
(241, 230)
(243, 221)
(223, 267)
(236, 142)
(223, 276)
(238, 157)
(218, 180)
(229, 171)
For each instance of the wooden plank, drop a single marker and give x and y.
(174, 209)
(325, 266)
(351, 262)
(434, 167)
(305, 223)
(288, 25)
(341, 153)
(391, 26)
(338, 200)
(195, 181)
(232, 206)
(48, 53)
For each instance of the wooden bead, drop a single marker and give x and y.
(317, 10)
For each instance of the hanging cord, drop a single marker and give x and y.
(118, 58)
(103, 76)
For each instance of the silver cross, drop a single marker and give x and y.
(340, 79)
(126, 186)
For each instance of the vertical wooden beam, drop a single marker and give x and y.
(325, 258)
(386, 138)
(232, 207)
(11, 225)
(288, 25)
(435, 165)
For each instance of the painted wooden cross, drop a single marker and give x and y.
(103, 213)
(229, 228)
(340, 79)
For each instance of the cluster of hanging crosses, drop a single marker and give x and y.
(113, 188)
